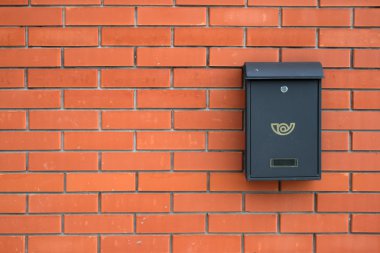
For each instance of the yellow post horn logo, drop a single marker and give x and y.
(283, 128)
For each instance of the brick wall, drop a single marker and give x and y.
(122, 126)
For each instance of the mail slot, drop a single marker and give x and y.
(283, 120)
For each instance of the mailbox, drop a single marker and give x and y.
(283, 120)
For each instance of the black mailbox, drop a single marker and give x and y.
(283, 120)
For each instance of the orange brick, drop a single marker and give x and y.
(367, 17)
(79, 224)
(55, 244)
(136, 161)
(63, 36)
(65, 2)
(172, 181)
(366, 58)
(12, 36)
(63, 161)
(30, 140)
(30, 57)
(207, 243)
(227, 99)
(356, 79)
(207, 78)
(100, 16)
(98, 141)
(366, 141)
(332, 99)
(170, 223)
(350, 120)
(344, 202)
(335, 140)
(12, 119)
(171, 140)
(366, 100)
(171, 16)
(226, 140)
(314, 223)
(238, 56)
(279, 202)
(171, 99)
(349, 38)
(99, 99)
(98, 57)
(12, 161)
(30, 99)
(244, 16)
(47, 78)
(328, 57)
(115, 36)
(155, 202)
(365, 182)
(31, 183)
(316, 17)
(11, 16)
(209, 161)
(30, 224)
(278, 243)
(357, 161)
(138, 2)
(207, 202)
(63, 203)
(77, 182)
(348, 243)
(329, 182)
(282, 3)
(367, 223)
(210, 2)
(171, 57)
(12, 204)
(349, 3)
(11, 78)
(246, 223)
(289, 37)
(136, 120)
(135, 243)
(12, 244)
(208, 36)
(14, 2)
(140, 78)
(208, 120)
(238, 182)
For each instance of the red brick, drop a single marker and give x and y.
(56, 244)
(238, 56)
(357, 161)
(335, 140)
(30, 140)
(63, 161)
(79, 224)
(208, 36)
(209, 161)
(115, 36)
(138, 2)
(238, 182)
(11, 16)
(99, 99)
(207, 202)
(99, 16)
(328, 57)
(12, 204)
(227, 99)
(30, 57)
(367, 17)
(77, 182)
(366, 100)
(76, 78)
(171, 16)
(279, 202)
(244, 16)
(12, 161)
(349, 3)
(278, 243)
(171, 99)
(207, 78)
(63, 36)
(344, 202)
(357, 120)
(170, 140)
(349, 38)
(226, 140)
(63, 203)
(136, 120)
(329, 182)
(140, 78)
(30, 99)
(242, 223)
(316, 17)
(365, 182)
(11, 224)
(65, 2)
(332, 99)
(170, 223)
(314, 223)
(14, 2)
(155, 202)
(367, 223)
(348, 243)
(356, 79)
(98, 57)
(289, 37)
(31, 183)
(12, 119)
(11, 78)
(171, 57)
(12, 244)
(210, 2)
(208, 120)
(207, 243)
(172, 181)
(135, 243)
(136, 161)
(98, 141)
(12, 36)
(366, 58)
(282, 3)
(366, 141)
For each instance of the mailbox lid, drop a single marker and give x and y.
(282, 70)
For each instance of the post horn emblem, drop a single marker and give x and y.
(283, 128)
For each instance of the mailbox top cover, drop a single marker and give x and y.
(283, 70)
